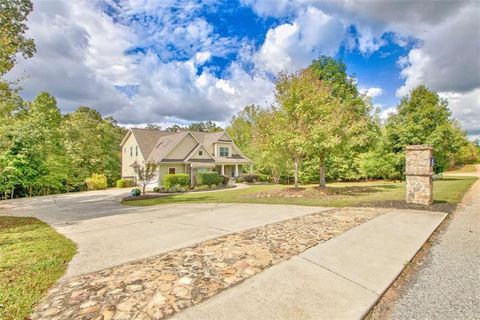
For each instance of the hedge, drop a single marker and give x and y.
(125, 183)
(250, 177)
(209, 178)
(179, 179)
(96, 182)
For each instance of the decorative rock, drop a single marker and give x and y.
(157, 287)
(185, 280)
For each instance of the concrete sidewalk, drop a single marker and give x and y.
(339, 279)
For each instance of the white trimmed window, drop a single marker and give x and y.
(171, 171)
(223, 151)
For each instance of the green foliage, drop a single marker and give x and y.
(378, 165)
(424, 118)
(125, 183)
(250, 177)
(145, 174)
(136, 192)
(226, 179)
(96, 182)
(202, 187)
(156, 189)
(177, 188)
(208, 178)
(13, 43)
(241, 129)
(179, 179)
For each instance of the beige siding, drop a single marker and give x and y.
(183, 149)
(197, 155)
(217, 146)
(127, 160)
(163, 170)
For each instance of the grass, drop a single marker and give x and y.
(33, 256)
(448, 190)
(465, 169)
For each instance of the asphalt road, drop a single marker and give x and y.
(448, 284)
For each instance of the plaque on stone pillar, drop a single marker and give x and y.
(419, 172)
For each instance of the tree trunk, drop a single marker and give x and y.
(295, 173)
(143, 189)
(322, 172)
(12, 192)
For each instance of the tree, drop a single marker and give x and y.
(145, 174)
(241, 128)
(338, 116)
(13, 17)
(208, 126)
(175, 128)
(424, 118)
(153, 126)
(91, 144)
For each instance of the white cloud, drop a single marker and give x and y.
(372, 92)
(290, 46)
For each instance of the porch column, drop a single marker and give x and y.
(236, 170)
(222, 171)
(191, 176)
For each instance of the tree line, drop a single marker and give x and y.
(322, 127)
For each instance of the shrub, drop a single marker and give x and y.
(136, 192)
(156, 189)
(213, 186)
(203, 187)
(263, 177)
(96, 182)
(250, 177)
(209, 178)
(180, 179)
(125, 183)
(177, 188)
(225, 180)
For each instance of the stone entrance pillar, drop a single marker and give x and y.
(419, 171)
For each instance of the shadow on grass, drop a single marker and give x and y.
(438, 205)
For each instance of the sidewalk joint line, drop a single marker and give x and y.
(338, 274)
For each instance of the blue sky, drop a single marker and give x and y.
(178, 61)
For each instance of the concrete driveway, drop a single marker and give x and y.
(109, 233)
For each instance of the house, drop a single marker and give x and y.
(182, 152)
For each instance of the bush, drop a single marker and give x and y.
(209, 178)
(213, 186)
(96, 182)
(177, 188)
(203, 187)
(180, 179)
(225, 180)
(250, 177)
(156, 189)
(125, 183)
(136, 192)
(263, 177)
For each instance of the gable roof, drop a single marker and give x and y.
(146, 139)
(155, 145)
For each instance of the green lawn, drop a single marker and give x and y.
(465, 169)
(448, 190)
(33, 256)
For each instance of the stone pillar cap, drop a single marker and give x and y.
(419, 147)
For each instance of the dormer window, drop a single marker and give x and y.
(223, 151)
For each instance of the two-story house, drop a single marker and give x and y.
(182, 152)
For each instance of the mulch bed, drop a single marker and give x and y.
(158, 287)
(311, 193)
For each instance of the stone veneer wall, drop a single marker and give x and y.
(419, 170)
